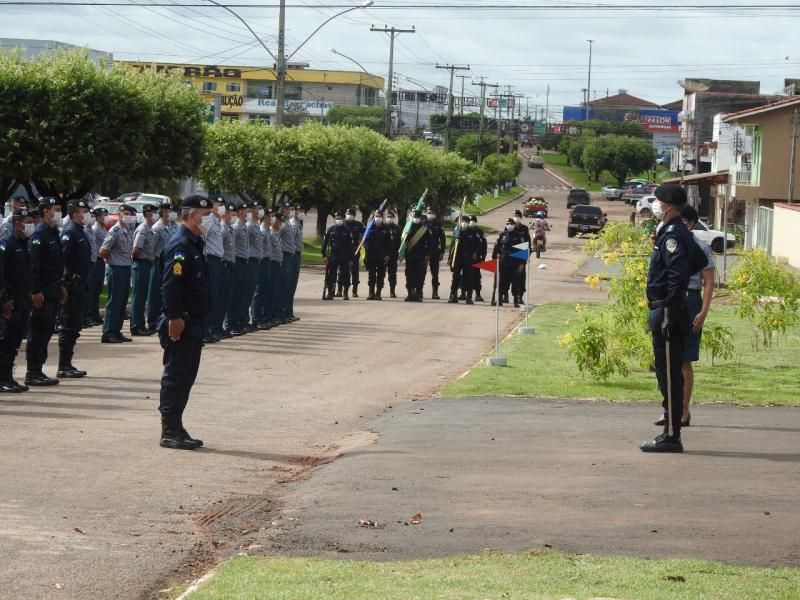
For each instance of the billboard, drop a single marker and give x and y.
(653, 120)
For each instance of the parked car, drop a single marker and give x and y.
(713, 237)
(536, 162)
(585, 218)
(135, 199)
(577, 196)
(612, 192)
(644, 207)
(632, 195)
(112, 207)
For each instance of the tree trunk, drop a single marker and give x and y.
(322, 222)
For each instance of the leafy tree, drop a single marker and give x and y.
(502, 167)
(468, 144)
(294, 115)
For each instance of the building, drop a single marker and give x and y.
(35, 48)
(412, 109)
(766, 176)
(248, 93)
(622, 99)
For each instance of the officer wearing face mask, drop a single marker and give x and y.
(228, 260)
(88, 224)
(463, 254)
(276, 258)
(233, 323)
(510, 267)
(394, 235)
(76, 249)
(288, 249)
(338, 249)
(525, 232)
(214, 256)
(98, 273)
(262, 293)
(143, 253)
(7, 228)
(297, 220)
(182, 326)
(47, 289)
(482, 250)
(255, 243)
(15, 295)
(377, 246)
(357, 229)
(116, 252)
(438, 247)
(162, 229)
(419, 246)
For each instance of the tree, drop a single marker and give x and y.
(502, 167)
(294, 115)
(371, 117)
(468, 144)
(620, 155)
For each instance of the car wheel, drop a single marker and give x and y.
(718, 246)
(570, 233)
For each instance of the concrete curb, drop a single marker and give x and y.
(506, 203)
(558, 177)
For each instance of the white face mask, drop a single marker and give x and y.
(88, 220)
(220, 210)
(378, 221)
(206, 224)
(273, 220)
(390, 221)
(349, 218)
(473, 225)
(517, 219)
(300, 217)
(249, 218)
(128, 219)
(509, 227)
(27, 229)
(260, 213)
(139, 218)
(431, 216)
(56, 219)
(464, 224)
(173, 216)
(234, 221)
(417, 220)
(339, 222)
(103, 220)
(658, 210)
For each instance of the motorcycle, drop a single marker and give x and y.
(539, 245)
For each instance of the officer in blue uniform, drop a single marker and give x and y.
(438, 247)
(338, 249)
(510, 267)
(47, 291)
(15, 295)
(378, 247)
(463, 254)
(394, 234)
(357, 229)
(667, 281)
(473, 225)
(181, 328)
(419, 246)
(76, 249)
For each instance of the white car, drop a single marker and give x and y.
(611, 192)
(644, 207)
(712, 237)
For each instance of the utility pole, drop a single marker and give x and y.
(280, 94)
(547, 111)
(793, 160)
(452, 69)
(393, 33)
(589, 84)
(461, 104)
(483, 85)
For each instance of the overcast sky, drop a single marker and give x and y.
(644, 51)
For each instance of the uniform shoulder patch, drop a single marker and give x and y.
(65, 237)
(177, 269)
(36, 242)
(670, 228)
(672, 244)
(179, 256)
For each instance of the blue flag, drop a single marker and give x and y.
(520, 254)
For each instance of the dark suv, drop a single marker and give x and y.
(577, 196)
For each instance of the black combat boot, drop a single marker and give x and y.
(435, 294)
(664, 443)
(346, 293)
(516, 301)
(418, 295)
(478, 297)
(196, 441)
(410, 296)
(453, 299)
(328, 295)
(173, 436)
(35, 377)
(371, 295)
(391, 292)
(338, 291)
(355, 291)
(469, 298)
(66, 370)
(462, 295)
(7, 383)
(378, 294)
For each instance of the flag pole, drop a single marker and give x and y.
(497, 360)
(526, 330)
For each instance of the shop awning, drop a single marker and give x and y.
(718, 177)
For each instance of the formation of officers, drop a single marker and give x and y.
(52, 271)
(424, 247)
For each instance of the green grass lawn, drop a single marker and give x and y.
(538, 366)
(532, 575)
(579, 178)
(488, 201)
(312, 252)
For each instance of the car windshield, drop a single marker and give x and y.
(151, 199)
(112, 208)
(588, 210)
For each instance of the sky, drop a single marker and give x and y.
(526, 44)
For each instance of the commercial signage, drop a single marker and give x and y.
(652, 120)
(504, 102)
(190, 70)
(269, 106)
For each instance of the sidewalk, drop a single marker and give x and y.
(516, 474)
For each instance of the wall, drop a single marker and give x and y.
(775, 158)
(784, 233)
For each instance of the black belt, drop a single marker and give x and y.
(653, 304)
(254, 260)
(141, 260)
(211, 256)
(691, 291)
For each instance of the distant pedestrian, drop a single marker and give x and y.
(97, 275)
(143, 254)
(116, 252)
(394, 234)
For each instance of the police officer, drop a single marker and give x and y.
(463, 254)
(438, 247)
(276, 258)
(143, 254)
(162, 229)
(181, 328)
(88, 223)
(288, 249)
(357, 229)
(214, 256)
(233, 323)
(47, 289)
(7, 228)
(377, 246)
(338, 250)
(228, 260)
(262, 293)
(255, 243)
(297, 220)
(76, 248)
(418, 251)
(520, 277)
(483, 248)
(667, 281)
(15, 295)
(116, 251)
(97, 274)
(394, 236)
(510, 267)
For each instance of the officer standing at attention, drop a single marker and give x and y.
(357, 231)
(181, 328)
(438, 246)
(47, 289)
(338, 250)
(88, 224)
(262, 293)
(287, 263)
(418, 252)
(667, 281)
(510, 267)
(299, 243)
(520, 277)
(163, 228)
(377, 246)
(394, 235)
(15, 295)
(143, 258)
(238, 280)
(214, 255)
(116, 251)
(483, 248)
(255, 243)
(228, 260)
(276, 258)
(76, 248)
(463, 254)
(98, 273)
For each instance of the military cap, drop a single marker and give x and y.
(464, 217)
(351, 211)
(671, 193)
(286, 204)
(99, 210)
(517, 213)
(149, 208)
(196, 202)
(20, 213)
(165, 206)
(378, 213)
(128, 207)
(391, 213)
(417, 213)
(256, 204)
(219, 199)
(230, 206)
(509, 221)
(48, 202)
(278, 215)
(243, 205)
(298, 207)
(338, 215)
(473, 219)
(76, 204)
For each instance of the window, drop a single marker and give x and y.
(293, 92)
(255, 118)
(209, 86)
(259, 88)
(233, 87)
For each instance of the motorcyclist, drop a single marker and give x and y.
(540, 227)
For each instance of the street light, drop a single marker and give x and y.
(589, 84)
(282, 58)
(360, 78)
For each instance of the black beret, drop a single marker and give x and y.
(48, 202)
(671, 193)
(196, 202)
(129, 208)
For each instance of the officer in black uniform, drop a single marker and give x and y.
(47, 289)
(667, 281)
(463, 254)
(377, 247)
(519, 278)
(15, 295)
(418, 253)
(357, 229)
(394, 234)
(473, 225)
(510, 267)
(438, 247)
(185, 290)
(338, 250)
(77, 267)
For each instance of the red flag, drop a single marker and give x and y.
(487, 265)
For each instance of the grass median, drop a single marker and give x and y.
(538, 366)
(532, 575)
(488, 202)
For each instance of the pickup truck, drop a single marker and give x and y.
(585, 218)
(633, 194)
(577, 196)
